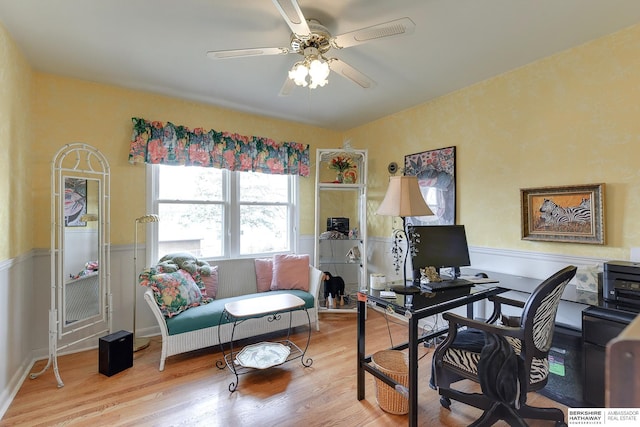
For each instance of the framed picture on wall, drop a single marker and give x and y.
(564, 214)
(75, 201)
(436, 172)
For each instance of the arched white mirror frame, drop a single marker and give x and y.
(79, 162)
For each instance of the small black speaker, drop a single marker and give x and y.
(115, 352)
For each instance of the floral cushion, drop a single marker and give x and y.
(90, 267)
(174, 292)
(205, 276)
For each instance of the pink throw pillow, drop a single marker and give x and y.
(211, 282)
(264, 273)
(290, 272)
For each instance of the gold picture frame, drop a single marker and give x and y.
(572, 214)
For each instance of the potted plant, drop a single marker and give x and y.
(343, 164)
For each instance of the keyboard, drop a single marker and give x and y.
(446, 284)
(479, 280)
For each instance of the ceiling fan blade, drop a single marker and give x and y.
(290, 11)
(287, 87)
(347, 71)
(398, 27)
(241, 53)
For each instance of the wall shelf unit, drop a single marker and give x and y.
(341, 249)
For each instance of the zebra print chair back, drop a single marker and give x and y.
(539, 313)
(531, 342)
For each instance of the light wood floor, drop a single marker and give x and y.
(191, 391)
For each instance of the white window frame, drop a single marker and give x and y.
(231, 247)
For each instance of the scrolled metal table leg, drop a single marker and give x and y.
(309, 361)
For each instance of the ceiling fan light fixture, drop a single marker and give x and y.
(299, 73)
(315, 67)
(318, 72)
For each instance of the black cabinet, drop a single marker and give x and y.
(599, 326)
(565, 368)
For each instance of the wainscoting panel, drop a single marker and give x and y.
(19, 307)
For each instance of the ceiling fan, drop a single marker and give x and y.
(312, 40)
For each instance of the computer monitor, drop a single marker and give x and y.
(440, 246)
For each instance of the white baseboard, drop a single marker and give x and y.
(11, 389)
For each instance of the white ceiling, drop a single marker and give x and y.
(160, 46)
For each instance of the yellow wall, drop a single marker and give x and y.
(573, 118)
(16, 212)
(69, 110)
(568, 119)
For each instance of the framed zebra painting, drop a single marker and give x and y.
(564, 214)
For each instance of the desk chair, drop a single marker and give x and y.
(457, 358)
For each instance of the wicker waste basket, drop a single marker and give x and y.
(395, 365)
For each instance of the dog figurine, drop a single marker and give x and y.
(429, 274)
(333, 288)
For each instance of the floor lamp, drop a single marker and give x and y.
(139, 343)
(403, 199)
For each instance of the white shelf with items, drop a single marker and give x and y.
(341, 249)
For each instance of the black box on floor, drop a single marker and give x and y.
(565, 368)
(115, 352)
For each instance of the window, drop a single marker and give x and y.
(216, 213)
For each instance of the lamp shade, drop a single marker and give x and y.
(148, 218)
(89, 217)
(403, 198)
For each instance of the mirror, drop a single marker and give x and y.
(80, 250)
(81, 264)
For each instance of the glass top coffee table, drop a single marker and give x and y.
(266, 354)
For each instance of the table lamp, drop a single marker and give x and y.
(403, 199)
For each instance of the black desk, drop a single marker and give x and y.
(423, 305)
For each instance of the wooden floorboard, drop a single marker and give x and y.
(191, 391)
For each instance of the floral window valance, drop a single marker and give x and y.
(167, 144)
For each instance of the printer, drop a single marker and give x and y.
(622, 282)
